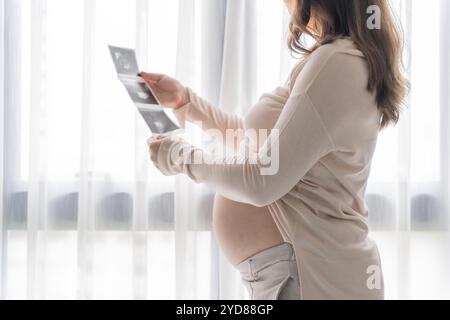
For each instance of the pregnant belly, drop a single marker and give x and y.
(243, 230)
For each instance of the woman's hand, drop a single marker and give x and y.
(170, 154)
(154, 143)
(170, 92)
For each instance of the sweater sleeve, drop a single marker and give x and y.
(299, 140)
(260, 179)
(201, 112)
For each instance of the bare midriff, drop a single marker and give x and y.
(243, 230)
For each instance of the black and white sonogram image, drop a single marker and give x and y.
(142, 96)
(158, 121)
(140, 93)
(124, 60)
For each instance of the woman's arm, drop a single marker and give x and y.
(202, 113)
(321, 111)
(301, 141)
(188, 106)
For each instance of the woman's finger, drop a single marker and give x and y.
(151, 77)
(154, 149)
(151, 140)
(161, 136)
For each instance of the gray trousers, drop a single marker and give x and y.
(272, 274)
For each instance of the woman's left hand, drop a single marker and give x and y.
(154, 144)
(170, 154)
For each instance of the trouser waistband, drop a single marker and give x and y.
(283, 252)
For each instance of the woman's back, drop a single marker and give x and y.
(324, 215)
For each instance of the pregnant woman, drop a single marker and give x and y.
(301, 232)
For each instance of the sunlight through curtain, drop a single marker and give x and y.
(83, 213)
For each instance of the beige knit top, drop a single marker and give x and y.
(327, 124)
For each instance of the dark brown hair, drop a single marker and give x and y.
(328, 20)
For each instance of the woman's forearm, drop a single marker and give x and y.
(209, 118)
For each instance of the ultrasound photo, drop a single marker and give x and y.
(158, 121)
(140, 93)
(147, 103)
(124, 60)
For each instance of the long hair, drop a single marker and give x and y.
(328, 20)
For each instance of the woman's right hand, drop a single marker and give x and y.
(170, 92)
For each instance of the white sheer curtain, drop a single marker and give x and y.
(84, 215)
(409, 190)
(2, 87)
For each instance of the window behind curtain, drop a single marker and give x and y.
(62, 99)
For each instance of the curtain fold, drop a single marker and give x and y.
(11, 85)
(188, 235)
(86, 213)
(445, 103)
(140, 205)
(2, 112)
(238, 90)
(37, 205)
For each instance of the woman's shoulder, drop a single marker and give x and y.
(343, 45)
(335, 79)
(336, 60)
(322, 54)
